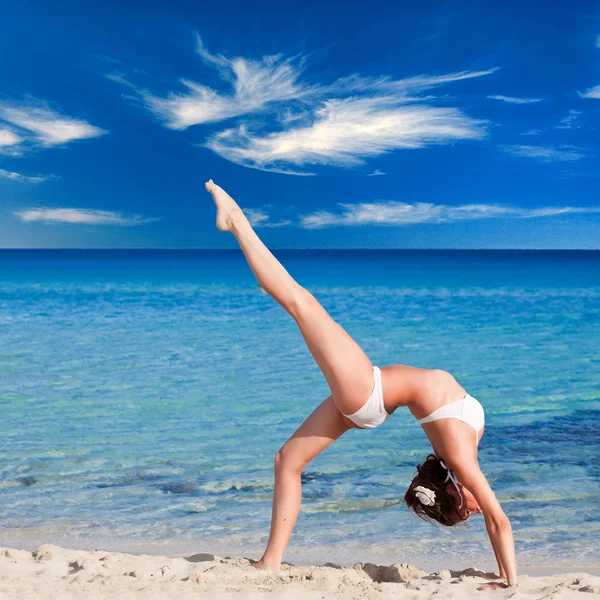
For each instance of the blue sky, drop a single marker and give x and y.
(355, 124)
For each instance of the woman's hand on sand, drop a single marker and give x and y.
(493, 585)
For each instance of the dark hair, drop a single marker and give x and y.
(433, 476)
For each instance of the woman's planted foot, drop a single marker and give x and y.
(228, 212)
(261, 564)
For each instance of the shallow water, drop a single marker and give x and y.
(144, 395)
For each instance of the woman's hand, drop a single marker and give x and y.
(493, 585)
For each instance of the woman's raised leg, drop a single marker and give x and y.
(347, 369)
(321, 429)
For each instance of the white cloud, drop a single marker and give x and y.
(570, 121)
(346, 132)
(598, 41)
(532, 132)
(81, 216)
(255, 216)
(593, 93)
(260, 218)
(545, 153)
(513, 100)
(18, 177)
(401, 213)
(376, 173)
(8, 138)
(254, 83)
(46, 126)
(308, 123)
(406, 87)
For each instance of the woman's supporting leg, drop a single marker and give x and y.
(321, 428)
(347, 369)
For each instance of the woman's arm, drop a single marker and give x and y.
(501, 571)
(498, 526)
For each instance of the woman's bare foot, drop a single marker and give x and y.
(260, 564)
(227, 209)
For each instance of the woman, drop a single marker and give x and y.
(448, 488)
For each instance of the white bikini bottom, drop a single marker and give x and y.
(373, 412)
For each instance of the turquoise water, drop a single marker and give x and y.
(144, 395)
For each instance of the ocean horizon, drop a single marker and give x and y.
(145, 393)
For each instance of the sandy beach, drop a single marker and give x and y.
(55, 572)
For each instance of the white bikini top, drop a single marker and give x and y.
(468, 410)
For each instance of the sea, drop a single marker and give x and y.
(144, 394)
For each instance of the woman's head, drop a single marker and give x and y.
(433, 497)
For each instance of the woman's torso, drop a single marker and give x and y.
(424, 391)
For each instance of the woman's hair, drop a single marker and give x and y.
(432, 476)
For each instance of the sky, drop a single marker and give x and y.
(333, 124)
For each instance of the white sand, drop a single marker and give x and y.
(59, 573)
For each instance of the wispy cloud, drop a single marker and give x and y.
(401, 213)
(12, 176)
(8, 138)
(339, 123)
(570, 121)
(346, 132)
(593, 93)
(258, 84)
(513, 100)
(545, 153)
(532, 132)
(254, 84)
(42, 125)
(82, 216)
(260, 218)
(407, 87)
(598, 41)
(376, 173)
